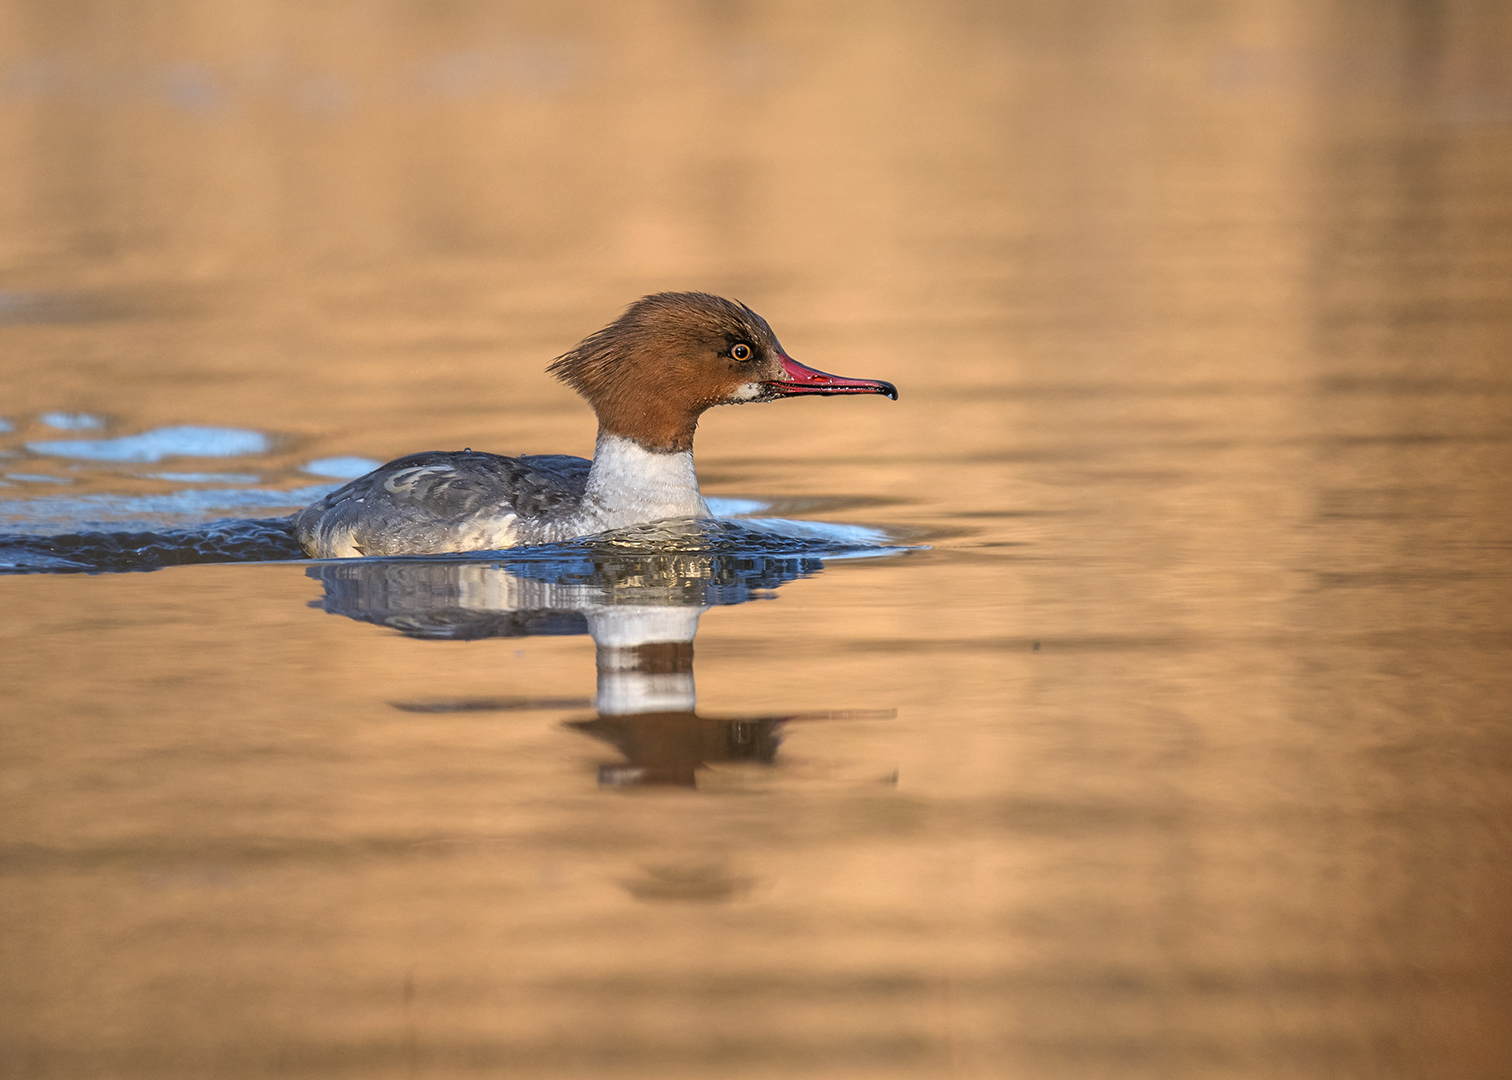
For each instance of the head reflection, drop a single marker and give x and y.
(642, 612)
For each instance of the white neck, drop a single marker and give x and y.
(630, 485)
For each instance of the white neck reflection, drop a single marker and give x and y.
(633, 675)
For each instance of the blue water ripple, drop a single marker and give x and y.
(342, 468)
(56, 513)
(72, 421)
(185, 441)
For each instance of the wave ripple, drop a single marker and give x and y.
(272, 539)
(232, 540)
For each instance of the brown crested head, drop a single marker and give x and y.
(652, 372)
(655, 369)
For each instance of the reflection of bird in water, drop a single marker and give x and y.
(642, 612)
(512, 596)
(646, 704)
(649, 376)
(670, 747)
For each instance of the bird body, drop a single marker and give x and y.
(649, 375)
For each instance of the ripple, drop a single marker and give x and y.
(728, 508)
(177, 509)
(72, 421)
(341, 468)
(753, 537)
(205, 477)
(19, 307)
(751, 554)
(186, 441)
(238, 540)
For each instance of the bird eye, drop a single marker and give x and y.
(741, 351)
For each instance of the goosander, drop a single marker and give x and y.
(649, 375)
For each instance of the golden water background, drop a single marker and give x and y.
(1201, 763)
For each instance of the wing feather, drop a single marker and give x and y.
(440, 501)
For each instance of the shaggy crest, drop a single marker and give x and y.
(659, 323)
(663, 362)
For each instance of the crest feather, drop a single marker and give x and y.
(659, 323)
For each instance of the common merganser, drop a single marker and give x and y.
(649, 375)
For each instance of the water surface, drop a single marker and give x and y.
(1165, 735)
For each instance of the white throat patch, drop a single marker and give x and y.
(630, 485)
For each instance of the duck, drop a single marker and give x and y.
(649, 376)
